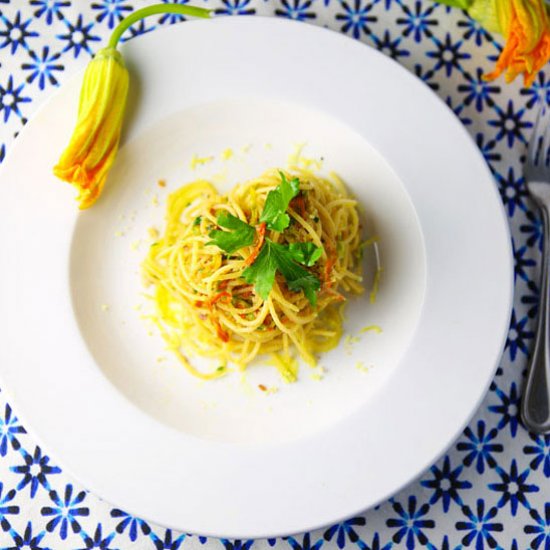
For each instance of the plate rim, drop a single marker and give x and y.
(269, 21)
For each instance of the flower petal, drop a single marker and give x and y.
(92, 149)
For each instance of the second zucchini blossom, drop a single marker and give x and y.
(525, 26)
(92, 149)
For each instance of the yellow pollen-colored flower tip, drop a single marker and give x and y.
(92, 149)
(526, 27)
(93, 146)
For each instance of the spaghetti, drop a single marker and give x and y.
(204, 305)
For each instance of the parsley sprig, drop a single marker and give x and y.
(276, 204)
(241, 234)
(273, 257)
(278, 257)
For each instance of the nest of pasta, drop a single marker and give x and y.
(280, 293)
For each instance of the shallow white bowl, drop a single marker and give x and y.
(223, 458)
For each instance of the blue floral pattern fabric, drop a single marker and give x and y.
(492, 488)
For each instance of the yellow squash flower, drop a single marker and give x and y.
(86, 161)
(526, 27)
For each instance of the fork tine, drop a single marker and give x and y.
(536, 141)
(537, 165)
(546, 140)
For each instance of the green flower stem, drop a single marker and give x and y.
(154, 10)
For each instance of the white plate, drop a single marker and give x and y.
(222, 458)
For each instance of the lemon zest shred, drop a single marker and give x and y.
(372, 328)
(199, 161)
(227, 154)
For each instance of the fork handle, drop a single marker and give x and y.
(535, 407)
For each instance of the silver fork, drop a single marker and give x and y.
(535, 406)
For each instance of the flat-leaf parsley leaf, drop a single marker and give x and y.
(240, 234)
(276, 204)
(277, 257)
(305, 253)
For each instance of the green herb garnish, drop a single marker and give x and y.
(277, 257)
(276, 204)
(273, 257)
(240, 234)
(305, 253)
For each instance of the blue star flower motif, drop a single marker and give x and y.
(137, 30)
(531, 299)
(478, 91)
(50, 9)
(11, 98)
(78, 37)
(445, 545)
(479, 447)
(237, 544)
(305, 543)
(16, 33)
(66, 512)
(391, 47)
(518, 336)
(521, 262)
(488, 150)
(448, 55)
(170, 542)
(410, 523)
(131, 523)
(236, 7)
(417, 22)
(2, 153)
(35, 471)
(374, 545)
(493, 57)
(541, 529)
(513, 487)
(113, 11)
(458, 111)
(9, 428)
(356, 18)
(538, 91)
(296, 9)
(512, 191)
(480, 526)
(27, 540)
(474, 30)
(99, 541)
(510, 124)
(446, 484)
(6, 508)
(42, 68)
(344, 530)
(172, 18)
(541, 453)
(533, 229)
(202, 539)
(508, 408)
(426, 76)
(272, 542)
(388, 3)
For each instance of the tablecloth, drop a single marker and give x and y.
(492, 488)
